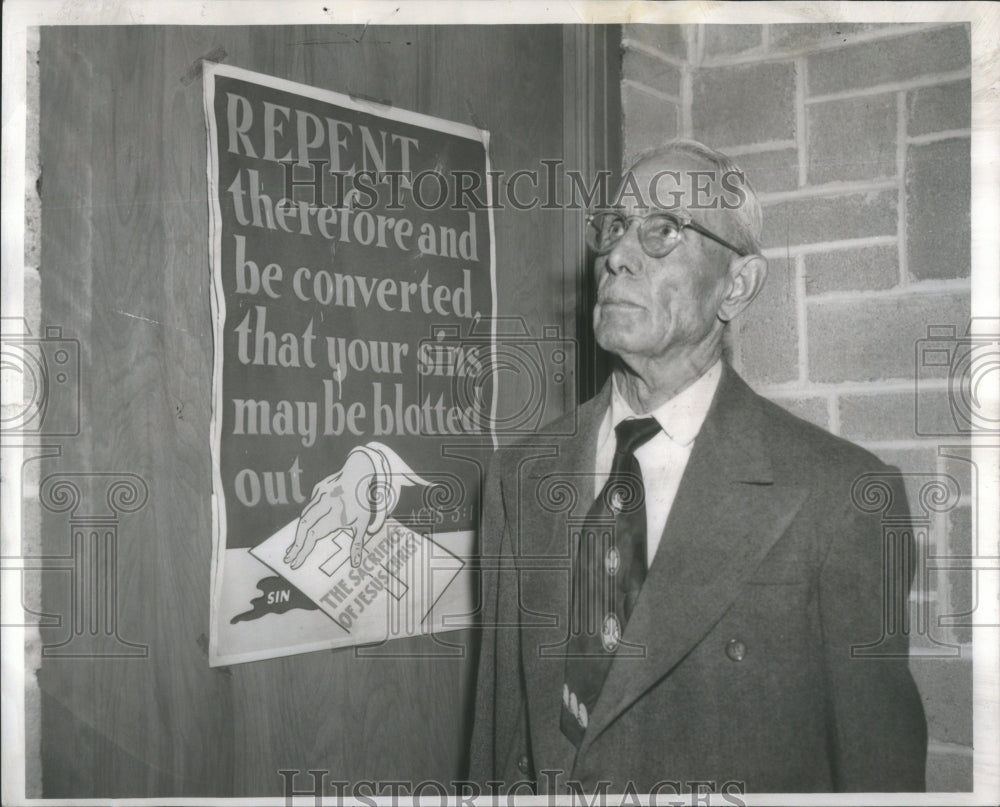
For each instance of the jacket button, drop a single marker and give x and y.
(736, 650)
(522, 764)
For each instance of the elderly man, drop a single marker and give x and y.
(683, 595)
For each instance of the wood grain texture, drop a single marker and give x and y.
(125, 270)
(165, 722)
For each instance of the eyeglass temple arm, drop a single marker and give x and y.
(709, 234)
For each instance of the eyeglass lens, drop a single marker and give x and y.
(658, 233)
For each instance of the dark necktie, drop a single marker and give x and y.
(608, 571)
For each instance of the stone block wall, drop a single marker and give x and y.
(856, 137)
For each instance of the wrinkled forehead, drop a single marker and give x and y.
(677, 182)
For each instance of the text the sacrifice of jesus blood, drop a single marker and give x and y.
(352, 298)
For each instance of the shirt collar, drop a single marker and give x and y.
(682, 416)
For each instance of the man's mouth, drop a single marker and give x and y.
(618, 302)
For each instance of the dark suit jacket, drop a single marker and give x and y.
(767, 659)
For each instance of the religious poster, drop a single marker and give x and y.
(353, 296)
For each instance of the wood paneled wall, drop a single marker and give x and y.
(125, 271)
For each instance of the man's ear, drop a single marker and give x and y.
(746, 279)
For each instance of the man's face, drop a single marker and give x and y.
(660, 308)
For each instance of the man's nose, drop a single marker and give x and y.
(627, 254)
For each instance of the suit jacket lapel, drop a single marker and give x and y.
(552, 491)
(726, 516)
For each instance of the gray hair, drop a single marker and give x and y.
(747, 216)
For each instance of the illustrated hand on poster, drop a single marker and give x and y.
(370, 574)
(354, 501)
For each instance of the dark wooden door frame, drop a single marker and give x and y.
(591, 143)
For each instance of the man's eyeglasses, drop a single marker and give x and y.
(658, 232)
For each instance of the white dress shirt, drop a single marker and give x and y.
(664, 457)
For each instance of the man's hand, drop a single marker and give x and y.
(341, 503)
